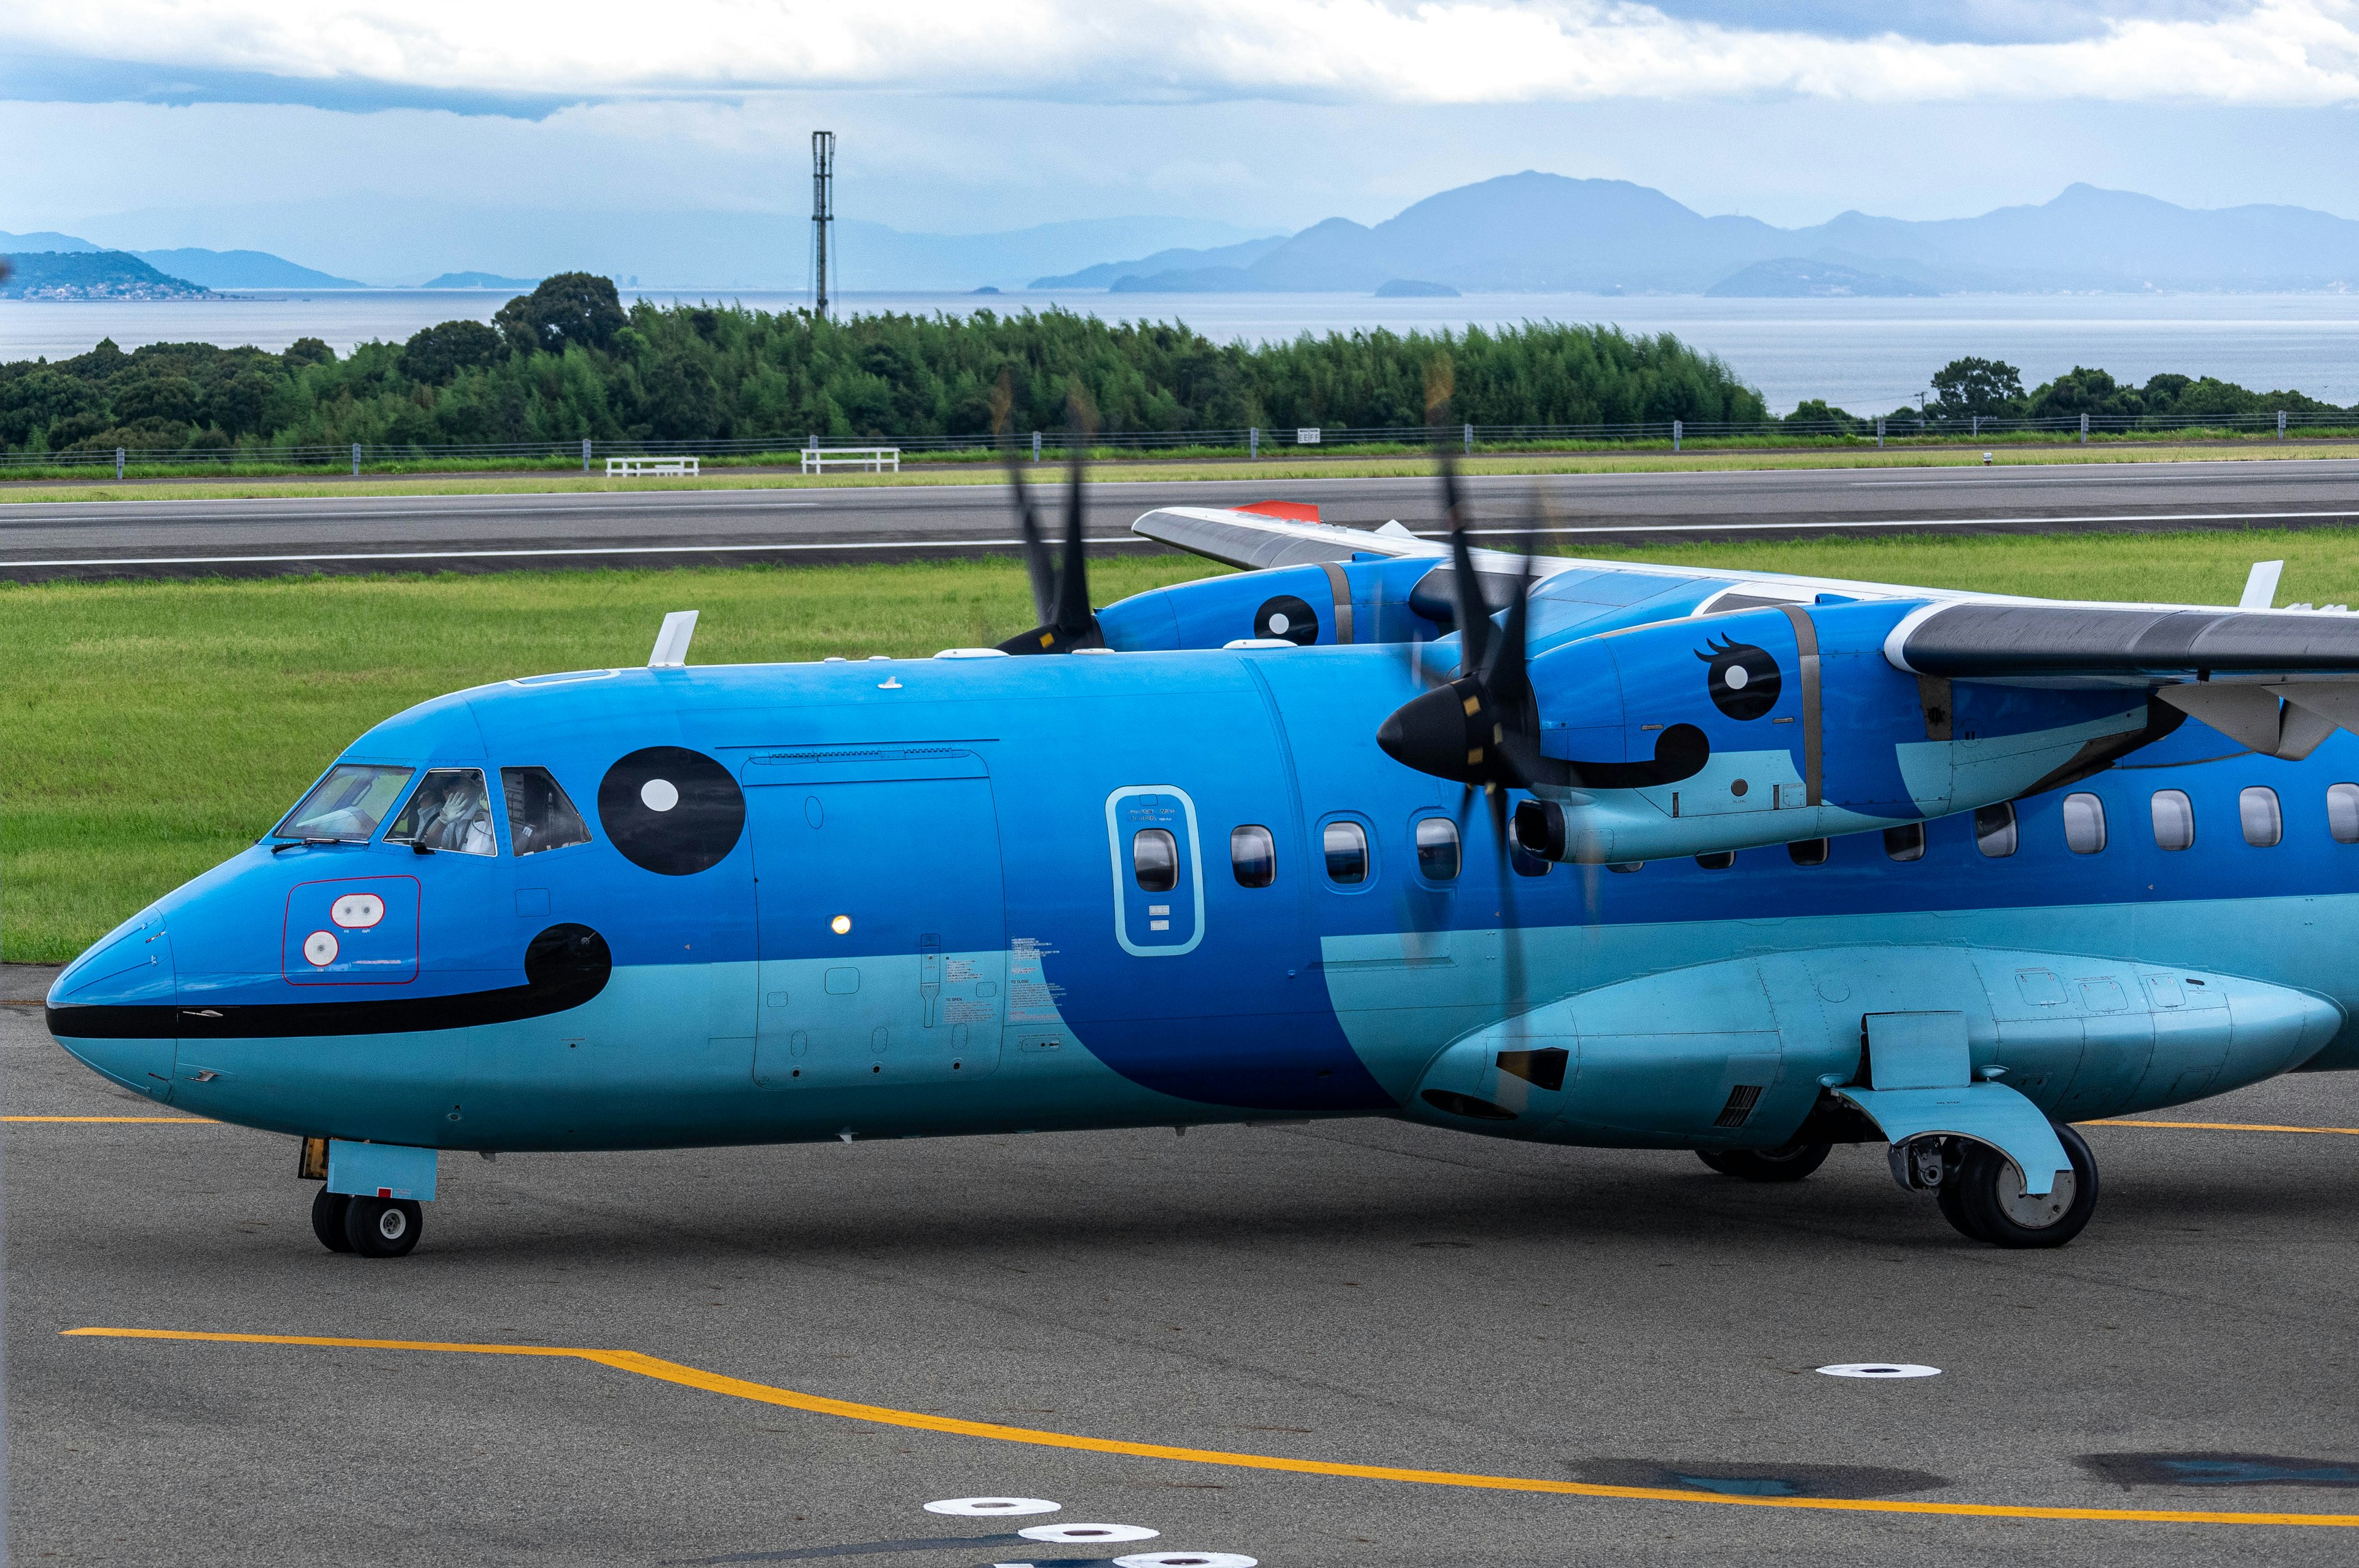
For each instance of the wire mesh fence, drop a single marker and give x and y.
(785, 449)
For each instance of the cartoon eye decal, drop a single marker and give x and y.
(357, 911)
(1288, 617)
(671, 810)
(1741, 679)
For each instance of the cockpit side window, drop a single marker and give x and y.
(539, 814)
(448, 810)
(346, 806)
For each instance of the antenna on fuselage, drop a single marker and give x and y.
(671, 643)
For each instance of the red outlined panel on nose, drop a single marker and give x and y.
(352, 931)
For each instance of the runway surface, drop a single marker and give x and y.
(484, 533)
(1356, 1293)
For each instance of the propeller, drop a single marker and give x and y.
(1481, 728)
(1060, 587)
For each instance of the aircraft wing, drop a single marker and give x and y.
(2276, 680)
(1254, 542)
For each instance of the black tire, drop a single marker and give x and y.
(1788, 1164)
(1991, 1192)
(383, 1228)
(328, 1220)
(1950, 1196)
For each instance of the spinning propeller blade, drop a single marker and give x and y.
(1060, 590)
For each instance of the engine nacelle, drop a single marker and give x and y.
(1768, 726)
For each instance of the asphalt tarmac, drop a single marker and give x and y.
(425, 532)
(1351, 1294)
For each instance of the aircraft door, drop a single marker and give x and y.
(1159, 886)
(881, 921)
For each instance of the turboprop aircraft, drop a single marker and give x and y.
(1762, 864)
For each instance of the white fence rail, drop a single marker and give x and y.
(877, 460)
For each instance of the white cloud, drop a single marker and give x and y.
(2272, 52)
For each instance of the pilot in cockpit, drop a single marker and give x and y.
(450, 812)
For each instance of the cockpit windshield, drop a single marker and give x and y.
(448, 811)
(346, 806)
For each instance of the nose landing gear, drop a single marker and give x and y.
(372, 1226)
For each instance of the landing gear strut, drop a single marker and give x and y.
(1980, 1194)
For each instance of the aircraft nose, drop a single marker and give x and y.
(114, 1007)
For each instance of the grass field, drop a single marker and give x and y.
(148, 730)
(1414, 464)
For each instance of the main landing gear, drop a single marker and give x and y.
(1978, 1189)
(374, 1227)
(1980, 1192)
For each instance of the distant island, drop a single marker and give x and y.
(1544, 233)
(479, 280)
(93, 275)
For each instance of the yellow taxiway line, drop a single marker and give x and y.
(2223, 1125)
(883, 1415)
(192, 1120)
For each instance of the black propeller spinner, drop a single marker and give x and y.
(1061, 590)
(1482, 726)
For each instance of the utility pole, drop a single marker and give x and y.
(823, 211)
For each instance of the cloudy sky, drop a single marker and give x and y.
(341, 132)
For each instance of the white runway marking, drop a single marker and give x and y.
(1880, 1369)
(504, 555)
(992, 1508)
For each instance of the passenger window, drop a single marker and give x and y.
(1717, 860)
(2342, 812)
(1437, 849)
(539, 814)
(1252, 855)
(2256, 810)
(1995, 830)
(1905, 842)
(448, 810)
(1154, 860)
(1346, 844)
(2174, 819)
(1808, 851)
(2084, 824)
(347, 805)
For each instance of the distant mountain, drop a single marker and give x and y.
(1113, 275)
(1791, 277)
(1543, 232)
(44, 240)
(241, 269)
(479, 280)
(90, 275)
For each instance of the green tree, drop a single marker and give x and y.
(1970, 387)
(576, 307)
(435, 355)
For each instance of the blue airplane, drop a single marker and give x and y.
(1761, 864)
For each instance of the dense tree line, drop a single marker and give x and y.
(569, 361)
(1965, 389)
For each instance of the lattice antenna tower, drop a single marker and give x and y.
(823, 214)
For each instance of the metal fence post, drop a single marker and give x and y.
(1678, 428)
(118, 462)
(1470, 440)
(356, 460)
(2281, 424)
(1035, 446)
(1253, 442)
(585, 454)
(2085, 429)
(1879, 432)
(1978, 428)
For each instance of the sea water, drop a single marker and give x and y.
(1867, 356)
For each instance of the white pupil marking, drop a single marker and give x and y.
(659, 795)
(1278, 622)
(320, 949)
(1737, 677)
(357, 911)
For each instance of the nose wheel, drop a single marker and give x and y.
(373, 1227)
